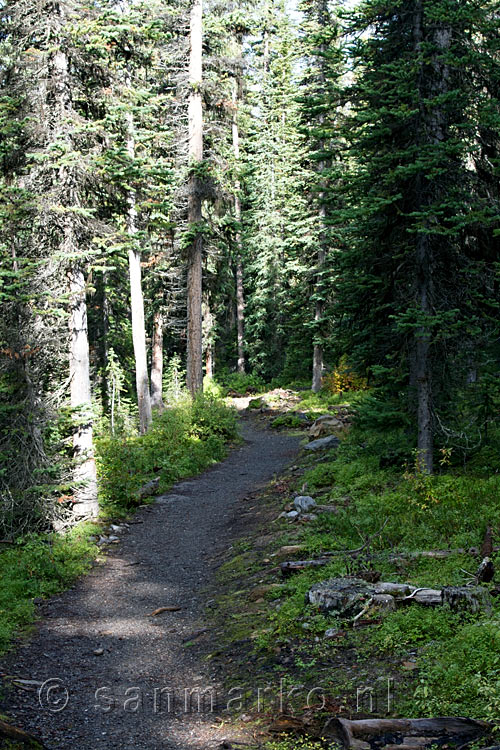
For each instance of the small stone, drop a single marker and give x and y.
(113, 538)
(98, 652)
(332, 633)
(304, 503)
(292, 514)
(245, 717)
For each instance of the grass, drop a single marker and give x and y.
(372, 485)
(37, 567)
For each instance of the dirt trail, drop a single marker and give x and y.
(167, 560)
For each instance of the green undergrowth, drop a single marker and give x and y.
(442, 662)
(184, 440)
(36, 567)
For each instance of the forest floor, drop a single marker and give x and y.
(100, 635)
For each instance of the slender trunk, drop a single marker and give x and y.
(433, 125)
(157, 362)
(318, 362)
(136, 298)
(240, 296)
(85, 477)
(194, 365)
(81, 401)
(423, 359)
(209, 361)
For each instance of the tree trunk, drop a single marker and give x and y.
(240, 297)
(136, 298)
(433, 85)
(85, 477)
(319, 308)
(194, 365)
(423, 360)
(157, 362)
(318, 314)
(209, 361)
(81, 401)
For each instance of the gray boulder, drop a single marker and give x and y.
(304, 503)
(323, 443)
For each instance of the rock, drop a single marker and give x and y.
(346, 596)
(113, 538)
(292, 514)
(466, 598)
(116, 529)
(332, 633)
(323, 443)
(325, 425)
(149, 488)
(98, 652)
(304, 503)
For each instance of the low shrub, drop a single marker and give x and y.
(40, 566)
(183, 440)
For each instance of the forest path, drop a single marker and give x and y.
(169, 558)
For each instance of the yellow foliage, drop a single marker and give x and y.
(343, 379)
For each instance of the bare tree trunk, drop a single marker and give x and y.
(240, 296)
(209, 361)
(194, 366)
(136, 298)
(318, 362)
(85, 477)
(157, 362)
(81, 400)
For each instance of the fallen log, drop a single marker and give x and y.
(8, 732)
(296, 566)
(353, 597)
(437, 554)
(410, 733)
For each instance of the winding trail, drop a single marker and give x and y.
(168, 558)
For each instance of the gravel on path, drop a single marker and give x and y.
(122, 672)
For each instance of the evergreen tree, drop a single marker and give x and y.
(422, 227)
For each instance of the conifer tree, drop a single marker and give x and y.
(419, 218)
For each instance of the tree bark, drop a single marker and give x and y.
(157, 362)
(318, 362)
(85, 477)
(194, 365)
(240, 296)
(136, 297)
(433, 84)
(81, 400)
